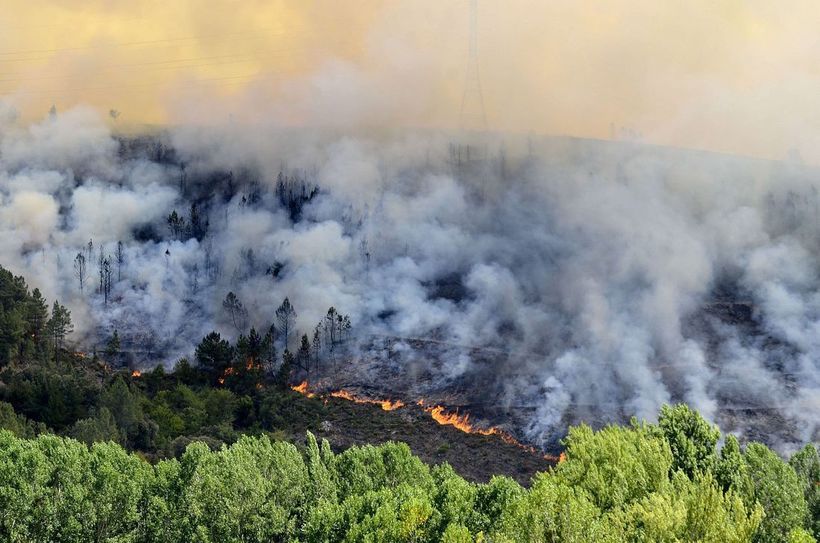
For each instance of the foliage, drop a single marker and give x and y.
(775, 485)
(806, 463)
(691, 439)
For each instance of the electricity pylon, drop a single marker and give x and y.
(473, 115)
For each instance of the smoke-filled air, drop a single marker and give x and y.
(561, 215)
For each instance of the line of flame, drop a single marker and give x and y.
(439, 413)
(386, 405)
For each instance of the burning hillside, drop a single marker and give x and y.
(555, 282)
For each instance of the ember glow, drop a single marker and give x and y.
(136, 373)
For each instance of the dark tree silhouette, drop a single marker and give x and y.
(286, 316)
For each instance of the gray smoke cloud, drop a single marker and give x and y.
(542, 282)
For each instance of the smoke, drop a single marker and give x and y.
(543, 282)
(733, 76)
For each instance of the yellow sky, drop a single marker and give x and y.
(728, 75)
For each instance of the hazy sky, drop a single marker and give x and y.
(729, 75)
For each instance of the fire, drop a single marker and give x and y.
(302, 388)
(439, 413)
(136, 373)
(386, 405)
(462, 422)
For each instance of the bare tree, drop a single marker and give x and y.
(330, 325)
(316, 346)
(239, 315)
(101, 269)
(176, 223)
(193, 279)
(120, 256)
(106, 276)
(80, 270)
(286, 316)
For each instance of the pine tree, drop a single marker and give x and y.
(36, 320)
(283, 375)
(112, 348)
(59, 326)
(303, 354)
(286, 316)
(316, 346)
(269, 348)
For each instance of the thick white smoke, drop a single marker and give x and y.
(544, 282)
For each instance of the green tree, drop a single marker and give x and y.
(615, 466)
(691, 439)
(775, 485)
(112, 347)
(214, 355)
(806, 464)
(125, 406)
(37, 320)
(59, 326)
(285, 369)
(18, 424)
(730, 469)
(100, 427)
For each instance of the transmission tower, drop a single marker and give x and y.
(473, 115)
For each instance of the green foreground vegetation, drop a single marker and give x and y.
(646, 482)
(201, 455)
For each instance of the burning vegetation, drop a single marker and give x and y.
(386, 405)
(439, 413)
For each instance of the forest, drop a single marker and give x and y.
(201, 453)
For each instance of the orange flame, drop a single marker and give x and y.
(386, 405)
(439, 413)
(136, 373)
(302, 388)
(462, 422)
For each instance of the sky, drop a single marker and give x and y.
(725, 75)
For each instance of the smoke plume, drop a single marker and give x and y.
(542, 281)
